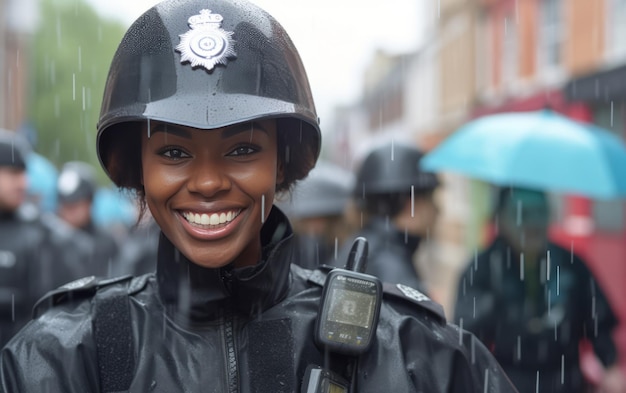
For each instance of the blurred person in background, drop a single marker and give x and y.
(532, 302)
(76, 187)
(397, 202)
(31, 261)
(316, 208)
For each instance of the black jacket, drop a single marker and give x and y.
(391, 254)
(541, 332)
(238, 330)
(36, 255)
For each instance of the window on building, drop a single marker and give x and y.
(616, 29)
(551, 34)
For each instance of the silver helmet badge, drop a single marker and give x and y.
(206, 44)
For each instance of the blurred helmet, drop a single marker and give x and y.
(325, 192)
(76, 182)
(12, 149)
(205, 64)
(393, 168)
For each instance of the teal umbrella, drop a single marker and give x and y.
(539, 149)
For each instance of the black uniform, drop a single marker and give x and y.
(535, 331)
(235, 330)
(36, 256)
(390, 254)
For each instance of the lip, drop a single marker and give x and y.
(210, 232)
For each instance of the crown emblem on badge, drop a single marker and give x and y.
(206, 44)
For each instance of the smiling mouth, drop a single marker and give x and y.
(210, 220)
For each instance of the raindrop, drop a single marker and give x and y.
(521, 266)
(392, 150)
(336, 247)
(263, 208)
(558, 280)
(537, 383)
(473, 348)
(461, 331)
(474, 307)
(84, 98)
(562, 369)
(486, 385)
(518, 217)
(412, 201)
(519, 347)
(611, 114)
(149, 128)
(548, 266)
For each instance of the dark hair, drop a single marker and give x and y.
(297, 153)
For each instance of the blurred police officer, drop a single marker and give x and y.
(396, 200)
(29, 250)
(76, 187)
(316, 208)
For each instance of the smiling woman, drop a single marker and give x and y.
(207, 114)
(211, 192)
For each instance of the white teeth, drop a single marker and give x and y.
(212, 219)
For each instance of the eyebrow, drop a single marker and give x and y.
(227, 133)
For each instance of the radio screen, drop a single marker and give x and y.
(351, 307)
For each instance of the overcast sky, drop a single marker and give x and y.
(335, 38)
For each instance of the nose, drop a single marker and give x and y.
(208, 178)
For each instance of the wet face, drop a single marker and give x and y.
(524, 221)
(211, 191)
(13, 187)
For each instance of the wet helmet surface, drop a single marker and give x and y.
(393, 168)
(204, 64)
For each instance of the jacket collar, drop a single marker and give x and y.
(194, 294)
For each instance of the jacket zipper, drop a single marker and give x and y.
(231, 354)
(229, 340)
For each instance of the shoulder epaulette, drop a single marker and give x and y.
(412, 295)
(393, 291)
(78, 289)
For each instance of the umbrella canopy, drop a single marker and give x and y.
(539, 149)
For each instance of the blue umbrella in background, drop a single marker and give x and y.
(112, 206)
(539, 149)
(42, 181)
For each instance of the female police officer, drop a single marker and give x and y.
(207, 113)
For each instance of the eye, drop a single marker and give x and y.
(243, 151)
(174, 153)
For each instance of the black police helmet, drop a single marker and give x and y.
(391, 169)
(325, 192)
(76, 182)
(206, 64)
(13, 150)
